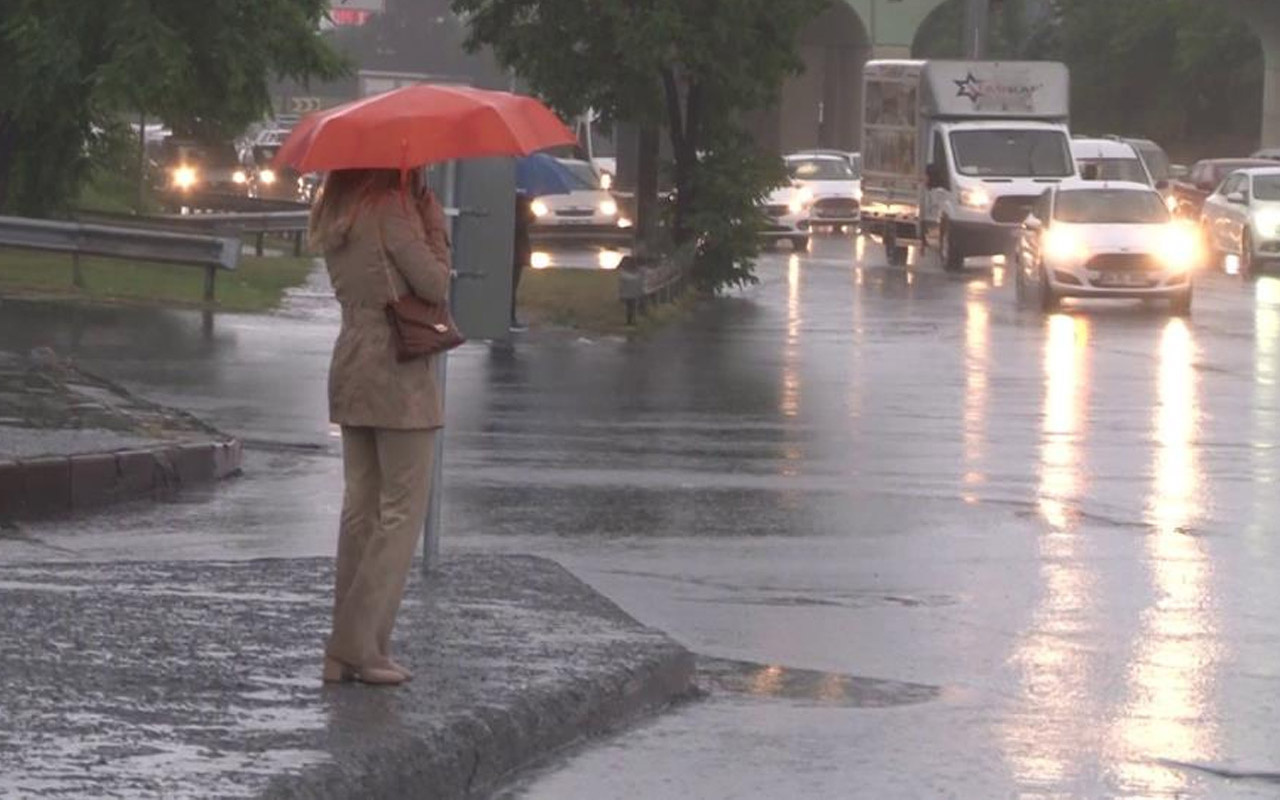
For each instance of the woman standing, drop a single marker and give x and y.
(378, 243)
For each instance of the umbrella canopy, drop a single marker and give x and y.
(421, 124)
(540, 174)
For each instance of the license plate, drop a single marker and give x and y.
(1123, 279)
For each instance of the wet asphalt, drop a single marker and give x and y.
(955, 548)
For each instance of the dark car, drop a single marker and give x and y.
(188, 166)
(1204, 178)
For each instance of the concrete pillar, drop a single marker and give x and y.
(1263, 16)
(1271, 90)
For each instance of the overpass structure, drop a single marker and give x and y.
(821, 107)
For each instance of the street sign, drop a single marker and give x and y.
(304, 105)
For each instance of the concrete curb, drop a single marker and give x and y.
(475, 754)
(41, 487)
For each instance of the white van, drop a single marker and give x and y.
(956, 152)
(1110, 160)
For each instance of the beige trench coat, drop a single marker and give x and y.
(368, 387)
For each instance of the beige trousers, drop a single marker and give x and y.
(388, 475)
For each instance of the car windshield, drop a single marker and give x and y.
(1012, 153)
(1224, 168)
(209, 156)
(1110, 207)
(820, 169)
(1114, 169)
(1266, 187)
(583, 173)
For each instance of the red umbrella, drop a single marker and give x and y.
(421, 124)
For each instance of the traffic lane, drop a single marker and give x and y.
(1074, 569)
(780, 479)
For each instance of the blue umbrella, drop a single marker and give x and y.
(540, 174)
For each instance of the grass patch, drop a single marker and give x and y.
(258, 284)
(587, 300)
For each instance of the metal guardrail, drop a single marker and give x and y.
(213, 253)
(639, 287)
(213, 224)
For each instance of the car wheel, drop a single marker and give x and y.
(1049, 300)
(952, 259)
(799, 243)
(1019, 283)
(1246, 257)
(1180, 303)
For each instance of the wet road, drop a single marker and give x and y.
(1052, 535)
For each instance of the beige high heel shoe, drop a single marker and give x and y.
(387, 662)
(337, 672)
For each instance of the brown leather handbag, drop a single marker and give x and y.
(420, 329)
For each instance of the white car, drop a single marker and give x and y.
(834, 190)
(588, 209)
(1110, 160)
(1105, 239)
(787, 209)
(1242, 218)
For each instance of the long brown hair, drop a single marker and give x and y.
(347, 192)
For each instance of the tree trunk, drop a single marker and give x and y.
(684, 124)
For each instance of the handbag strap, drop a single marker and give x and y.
(385, 261)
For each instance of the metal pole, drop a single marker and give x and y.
(432, 526)
(977, 28)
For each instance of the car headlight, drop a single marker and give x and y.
(857, 194)
(1179, 248)
(239, 177)
(1171, 203)
(606, 181)
(1267, 221)
(539, 209)
(975, 198)
(608, 207)
(1060, 245)
(185, 177)
(800, 200)
(267, 176)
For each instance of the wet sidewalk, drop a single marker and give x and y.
(70, 440)
(202, 679)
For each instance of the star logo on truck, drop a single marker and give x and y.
(970, 87)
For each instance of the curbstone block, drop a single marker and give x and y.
(94, 480)
(11, 489)
(195, 463)
(46, 485)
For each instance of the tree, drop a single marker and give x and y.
(73, 70)
(692, 67)
(1183, 72)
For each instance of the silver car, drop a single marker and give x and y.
(1242, 218)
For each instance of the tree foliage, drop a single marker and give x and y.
(73, 70)
(690, 66)
(1186, 73)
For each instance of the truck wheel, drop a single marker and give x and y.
(1049, 300)
(895, 254)
(1180, 303)
(952, 258)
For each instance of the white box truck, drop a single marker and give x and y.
(955, 152)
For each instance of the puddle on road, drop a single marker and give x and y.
(806, 685)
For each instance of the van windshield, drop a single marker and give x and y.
(1012, 153)
(1113, 169)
